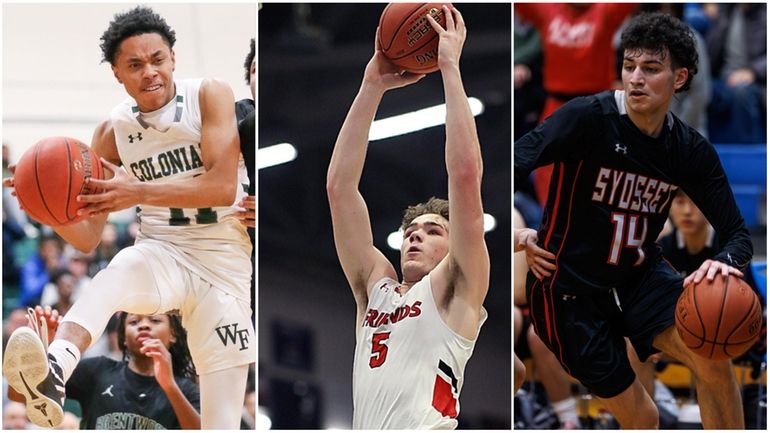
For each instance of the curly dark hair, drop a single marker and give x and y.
(181, 361)
(247, 62)
(433, 205)
(663, 34)
(137, 21)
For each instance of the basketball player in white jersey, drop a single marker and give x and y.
(173, 149)
(413, 336)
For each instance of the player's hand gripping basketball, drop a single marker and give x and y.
(120, 192)
(383, 74)
(709, 269)
(538, 259)
(451, 40)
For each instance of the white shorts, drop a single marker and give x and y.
(147, 279)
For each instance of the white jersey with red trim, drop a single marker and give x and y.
(164, 146)
(409, 366)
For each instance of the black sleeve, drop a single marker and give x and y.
(706, 183)
(560, 137)
(246, 132)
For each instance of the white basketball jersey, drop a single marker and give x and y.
(409, 366)
(164, 146)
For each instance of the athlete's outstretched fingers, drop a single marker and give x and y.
(709, 269)
(458, 18)
(436, 26)
(450, 21)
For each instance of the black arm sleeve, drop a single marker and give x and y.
(709, 189)
(560, 137)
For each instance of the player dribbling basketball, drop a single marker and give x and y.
(619, 159)
(177, 143)
(415, 335)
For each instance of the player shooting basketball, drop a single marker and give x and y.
(415, 335)
(620, 158)
(191, 252)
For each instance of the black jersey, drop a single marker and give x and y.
(244, 113)
(115, 398)
(612, 188)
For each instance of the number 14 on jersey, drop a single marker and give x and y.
(626, 235)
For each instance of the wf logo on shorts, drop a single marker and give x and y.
(231, 334)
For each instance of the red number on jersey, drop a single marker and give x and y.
(379, 349)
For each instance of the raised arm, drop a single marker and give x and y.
(467, 266)
(220, 148)
(188, 416)
(360, 260)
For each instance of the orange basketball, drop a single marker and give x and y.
(720, 319)
(406, 37)
(49, 177)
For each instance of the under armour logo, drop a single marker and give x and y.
(138, 137)
(229, 336)
(619, 149)
(568, 297)
(108, 391)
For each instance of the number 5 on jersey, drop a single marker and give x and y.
(379, 349)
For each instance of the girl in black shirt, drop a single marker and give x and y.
(151, 388)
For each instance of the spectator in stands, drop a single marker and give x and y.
(737, 42)
(528, 95)
(579, 58)
(12, 233)
(76, 265)
(108, 247)
(36, 273)
(13, 229)
(64, 282)
(15, 416)
(16, 318)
